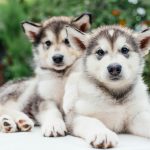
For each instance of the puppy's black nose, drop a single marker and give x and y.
(114, 69)
(58, 58)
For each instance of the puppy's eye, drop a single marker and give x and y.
(124, 50)
(66, 41)
(100, 52)
(48, 43)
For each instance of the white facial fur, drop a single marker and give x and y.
(111, 39)
(44, 55)
(98, 68)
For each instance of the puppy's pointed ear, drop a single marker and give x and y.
(83, 22)
(144, 41)
(78, 39)
(31, 30)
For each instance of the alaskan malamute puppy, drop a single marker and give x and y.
(41, 96)
(109, 95)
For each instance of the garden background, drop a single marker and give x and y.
(15, 50)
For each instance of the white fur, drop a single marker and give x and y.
(111, 32)
(94, 132)
(90, 101)
(51, 120)
(91, 111)
(24, 99)
(41, 96)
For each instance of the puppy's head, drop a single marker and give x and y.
(52, 49)
(114, 55)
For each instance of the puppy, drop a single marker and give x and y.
(41, 96)
(109, 95)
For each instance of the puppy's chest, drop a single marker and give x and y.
(51, 89)
(93, 102)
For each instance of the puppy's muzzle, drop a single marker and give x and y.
(114, 69)
(58, 59)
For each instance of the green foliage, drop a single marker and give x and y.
(11, 36)
(13, 12)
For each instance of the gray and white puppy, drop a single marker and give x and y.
(108, 96)
(41, 96)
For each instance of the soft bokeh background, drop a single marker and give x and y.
(15, 50)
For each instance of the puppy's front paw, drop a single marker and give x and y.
(54, 128)
(24, 124)
(7, 124)
(103, 139)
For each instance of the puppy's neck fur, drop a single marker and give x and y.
(58, 73)
(120, 95)
(44, 73)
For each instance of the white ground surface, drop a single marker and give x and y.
(34, 141)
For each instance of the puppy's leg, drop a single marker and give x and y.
(51, 120)
(140, 124)
(12, 119)
(94, 132)
(70, 96)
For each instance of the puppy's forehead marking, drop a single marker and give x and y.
(120, 41)
(104, 44)
(57, 27)
(49, 35)
(54, 26)
(63, 34)
(111, 32)
(57, 19)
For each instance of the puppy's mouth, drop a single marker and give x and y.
(61, 66)
(60, 69)
(115, 78)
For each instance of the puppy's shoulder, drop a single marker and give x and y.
(140, 91)
(75, 77)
